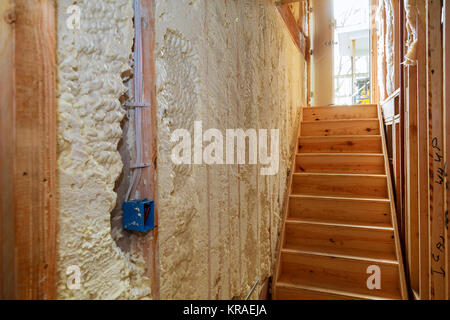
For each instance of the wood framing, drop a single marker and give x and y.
(436, 150)
(297, 35)
(147, 186)
(422, 126)
(28, 149)
(446, 41)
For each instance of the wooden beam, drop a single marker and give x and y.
(7, 256)
(147, 188)
(436, 150)
(28, 161)
(297, 36)
(447, 133)
(422, 126)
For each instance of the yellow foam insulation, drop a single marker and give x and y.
(411, 26)
(389, 47)
(91, 60)
(381, 22)
(231, 65)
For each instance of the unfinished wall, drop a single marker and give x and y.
(91, 62)
(386, 48)
(230, 64)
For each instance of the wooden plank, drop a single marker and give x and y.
(147, 188)
(340, 128)
(422, 126)
(332, 272)
(369, 212)
(436, 150)
(7, 141)
(347, 144)
(32, 150)
(446, 42)
(338, 113)
(358, 241)
(412, 194)
(292, 292)
(297, 36)
(340, 163)
(340, 185)
(401, 269)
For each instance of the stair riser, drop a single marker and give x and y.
(340, 128)
(284, 293)
(339, 274)
(358, 212)
(340, 145)
(340, 164)
(360, 242)
(339, 113)
(340, 186)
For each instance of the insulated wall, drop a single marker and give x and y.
(231, 65)
(92, 58)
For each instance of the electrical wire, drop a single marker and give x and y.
(138, 88)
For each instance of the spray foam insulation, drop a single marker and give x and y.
(91, 61)
(229, 64)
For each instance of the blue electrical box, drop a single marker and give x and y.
(139, 215)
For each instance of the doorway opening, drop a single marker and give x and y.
(351, 54)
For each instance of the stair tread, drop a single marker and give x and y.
(338, 272)
(341, 120)
(340, 154)
(332, 224)
(342, 136)
(336, 255)
(337, 198)
(287, 285)
(320, 174)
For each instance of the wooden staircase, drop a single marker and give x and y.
(340, 217)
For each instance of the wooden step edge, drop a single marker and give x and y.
(352, 136)
(341, 106)
(330, 291)
(340, 120)
(301, 196)
(317, 174)
(339, 256)
(343, 225)
(375, 155)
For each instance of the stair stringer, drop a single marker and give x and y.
(403, 285)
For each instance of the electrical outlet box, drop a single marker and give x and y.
(139, 215)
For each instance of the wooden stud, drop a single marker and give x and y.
(436, 150)
(147, 187)
(28, 149)
(297, 36)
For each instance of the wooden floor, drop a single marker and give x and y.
(340, 216)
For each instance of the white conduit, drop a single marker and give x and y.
(138, 99)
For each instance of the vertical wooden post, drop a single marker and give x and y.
(436, 150)
(446, 41)
(148, 187)
(422, 123)
(7, 256)
(28, 149)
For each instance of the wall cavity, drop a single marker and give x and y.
(91, 62)
(229, 64)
